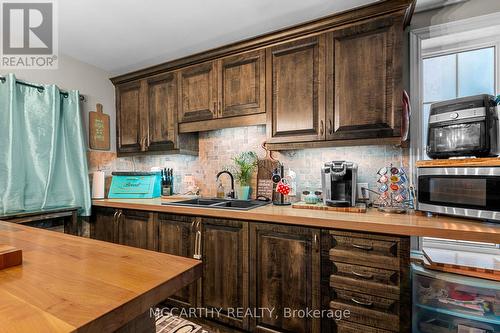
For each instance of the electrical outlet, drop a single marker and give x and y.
(361, 193)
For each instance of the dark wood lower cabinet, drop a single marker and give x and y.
(368, 276)
(260, 267)
(137, 229)
(285, 277)
(176, 236)
(225, 269)
(124, 226)
(103, 224)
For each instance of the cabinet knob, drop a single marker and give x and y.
(321, 128)
(330, 126)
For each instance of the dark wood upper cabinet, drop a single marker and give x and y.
(225, 268)
(365, 80)
(198, 92)
(162, 103)
(334, 81)
(284, 274)
(296, 90)
(147, 117)
(242, 84)
(129, 101)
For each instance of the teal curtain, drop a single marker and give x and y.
(43, 161)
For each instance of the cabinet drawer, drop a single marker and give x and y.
(368, 310)
(366, 250)
(367, 274)
(368, 280)
(348, 327)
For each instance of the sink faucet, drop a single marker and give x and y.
(231, 194)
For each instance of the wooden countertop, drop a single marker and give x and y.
(69, 283)
(371, 221)
(460, 162)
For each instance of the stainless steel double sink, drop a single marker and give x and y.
(218, 203)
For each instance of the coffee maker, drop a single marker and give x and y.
(338, 180)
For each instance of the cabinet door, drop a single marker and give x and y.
(364, 81)
(137, 229)
(242, 84)
(198, 92)
(285, 276)
(162, 104)
(296, 96)
(225, 268)
(103, 224)
(175, 236)
(129, 106)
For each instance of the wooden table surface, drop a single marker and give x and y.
(69, 283)
(371, 221)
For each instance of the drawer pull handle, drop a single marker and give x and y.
(362, 247)
(362, 303)
(363, 276)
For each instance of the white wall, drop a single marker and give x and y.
(73, 74)
(454, 12)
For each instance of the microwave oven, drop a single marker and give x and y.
(472, 192)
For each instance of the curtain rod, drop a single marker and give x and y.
(64, 93)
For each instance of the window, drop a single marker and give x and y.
(448, 61)
(456, 74)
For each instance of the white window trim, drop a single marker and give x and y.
(417, 54)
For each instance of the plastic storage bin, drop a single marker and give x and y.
(450, 303)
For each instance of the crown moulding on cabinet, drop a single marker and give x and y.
(315, 26)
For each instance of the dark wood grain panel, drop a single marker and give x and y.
(242, 84)
(365, 249)
(365, 80)
(128, 123)
(102, 224)
(225, 268)
(343, 326)
(176, 236)
(369, 317)
(295, 89)
(137, 229)
(198, 92)
(162, 102)
(284, 274)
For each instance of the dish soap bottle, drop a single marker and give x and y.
(220, 190)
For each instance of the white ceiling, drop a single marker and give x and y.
(123, 35)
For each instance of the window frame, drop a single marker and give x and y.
(417, 54)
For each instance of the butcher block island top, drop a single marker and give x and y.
(372, 221)
(73, 284)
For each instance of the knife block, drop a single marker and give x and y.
(10, 256)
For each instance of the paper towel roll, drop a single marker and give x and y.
(98, 185)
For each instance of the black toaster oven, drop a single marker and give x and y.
(465, 126)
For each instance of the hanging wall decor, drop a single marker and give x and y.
(99, 129)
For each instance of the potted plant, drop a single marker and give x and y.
(245, 164)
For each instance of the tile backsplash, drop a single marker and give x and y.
(218, 147)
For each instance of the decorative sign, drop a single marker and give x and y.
(99, 129)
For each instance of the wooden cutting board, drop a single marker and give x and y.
(10, 256)
(265, 168)
(485, 266)
(99, 129)
(359, 208)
